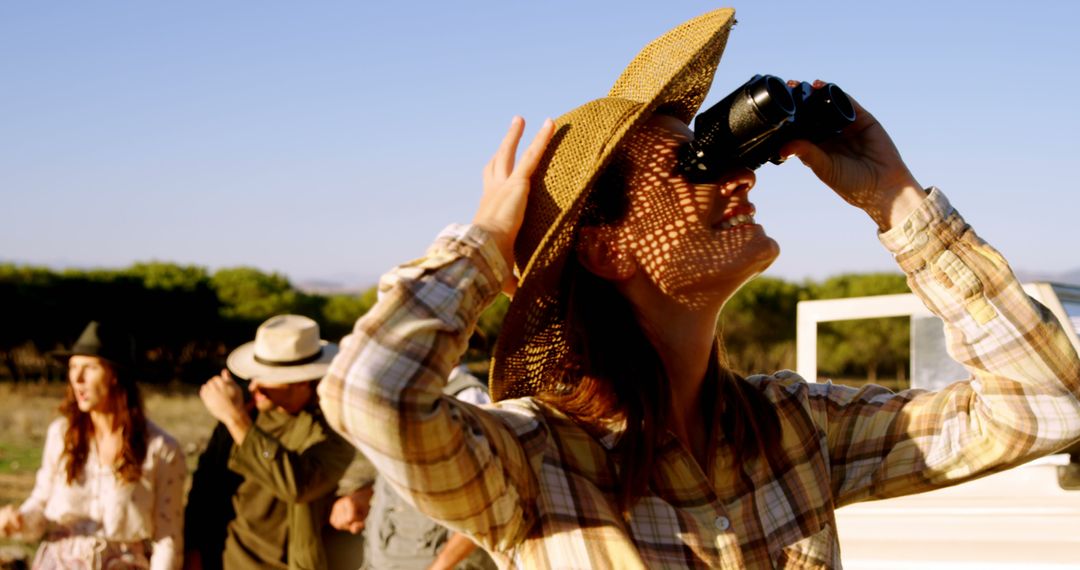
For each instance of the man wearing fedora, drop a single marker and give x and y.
(288, 457)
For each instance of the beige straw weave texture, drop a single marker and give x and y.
(673, 73)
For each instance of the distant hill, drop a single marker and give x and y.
(1072, 277)
(1067, 278)
(329, 287)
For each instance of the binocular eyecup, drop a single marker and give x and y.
(748, 127)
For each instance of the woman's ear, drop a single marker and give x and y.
(601, 252)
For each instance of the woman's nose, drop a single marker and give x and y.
(738, 180)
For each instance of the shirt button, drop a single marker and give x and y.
(266, 455)
(722, 523)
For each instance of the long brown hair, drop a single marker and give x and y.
(613, 372)
(126, 405)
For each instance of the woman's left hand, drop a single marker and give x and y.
(11, 521)
(863, 166)
(506, 189)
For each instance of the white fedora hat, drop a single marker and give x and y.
(286, 349)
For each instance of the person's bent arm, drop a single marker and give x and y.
(224, 399)
(461, 465)
(295, 476)
(457, 548)
(1020, 402)
(32, 511)
(168, 539)
(457, 463)
(1023, 397)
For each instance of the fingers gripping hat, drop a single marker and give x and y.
(673, 74)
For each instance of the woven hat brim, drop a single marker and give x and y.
(674, 72)
(242, 363)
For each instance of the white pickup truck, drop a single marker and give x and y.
(1024, 518)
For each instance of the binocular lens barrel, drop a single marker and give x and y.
(748, 127)
(772, 99)
(830, 109)
(840, 102)
(759, 106)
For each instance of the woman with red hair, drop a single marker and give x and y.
(109, 493)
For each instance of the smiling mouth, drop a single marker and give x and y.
(738, 215)
(740, 220)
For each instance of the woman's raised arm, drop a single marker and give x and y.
(460, 464)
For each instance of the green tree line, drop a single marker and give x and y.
(186, 318)
(758, 328)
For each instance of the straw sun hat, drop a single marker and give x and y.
(287, 349)
(673, 73)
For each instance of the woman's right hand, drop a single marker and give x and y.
(863, 167)
(506, 189)
(11, 521)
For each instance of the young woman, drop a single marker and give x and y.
(619, 438)
(110, 490)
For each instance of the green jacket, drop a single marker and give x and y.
(298, 461)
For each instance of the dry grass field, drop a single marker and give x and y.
(31, 407)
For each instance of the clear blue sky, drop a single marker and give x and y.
(332, 140)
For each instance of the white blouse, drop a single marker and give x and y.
(102, 506)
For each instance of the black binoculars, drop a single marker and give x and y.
(748, 127)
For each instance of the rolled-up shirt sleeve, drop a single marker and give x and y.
(33, 508)
(1019, 402)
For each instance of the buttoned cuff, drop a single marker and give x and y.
(479, 240)
(911, 233)
(453, 243)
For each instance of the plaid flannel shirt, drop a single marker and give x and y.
(537, 491)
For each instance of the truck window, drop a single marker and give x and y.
(1073, 310)
(866, 351)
